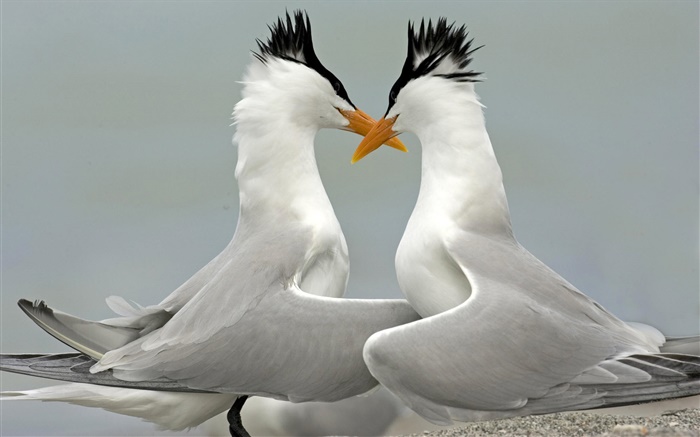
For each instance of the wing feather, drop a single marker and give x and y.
(525, 342)
(288, 345)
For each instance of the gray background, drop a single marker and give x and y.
(117, 163)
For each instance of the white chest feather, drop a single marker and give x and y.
(326, 269)
(428, 276)
(461, 191)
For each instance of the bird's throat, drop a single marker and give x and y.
(278, 177)
(461, 179)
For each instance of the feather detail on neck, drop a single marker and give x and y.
(461, 179)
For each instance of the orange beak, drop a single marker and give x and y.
(362, 124)
(381, 133)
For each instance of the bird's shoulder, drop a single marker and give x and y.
(509, 279)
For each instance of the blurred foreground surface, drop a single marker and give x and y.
(266, 417)
(684, 423)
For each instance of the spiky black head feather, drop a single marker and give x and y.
(291, 40)
(436, 48)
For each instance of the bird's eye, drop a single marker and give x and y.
(392, 96)
(336, 87)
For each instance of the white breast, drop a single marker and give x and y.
(327, 265)
(427, 274)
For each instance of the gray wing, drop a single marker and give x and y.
(95, 338)
(88, 337)
(248, 329)
(75, 367)
(525, 342)
(287, 345)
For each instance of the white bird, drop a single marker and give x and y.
(262, 318)
(502, 335)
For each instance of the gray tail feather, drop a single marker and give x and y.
(91, 338)
(672, 376)
(666, 366)
(75, 367)
(682, 345)
(624, 396)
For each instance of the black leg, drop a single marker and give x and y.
(235, 424)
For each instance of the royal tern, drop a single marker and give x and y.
(262, 317)
(503, 335)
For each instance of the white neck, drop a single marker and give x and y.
(277, 174)
(285, 213)
(276, 122)
(461, 191)
(461, 179)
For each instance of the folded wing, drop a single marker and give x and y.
(525, 342)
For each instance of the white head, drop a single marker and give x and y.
(286, 86)
(434, 76)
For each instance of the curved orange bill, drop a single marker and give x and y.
(362, 124)
(381, 133)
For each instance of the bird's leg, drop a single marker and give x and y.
(235, 424)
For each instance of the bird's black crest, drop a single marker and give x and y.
(290, 39)
(429, 47)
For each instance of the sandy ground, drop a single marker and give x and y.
(678, 423)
